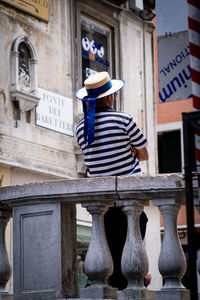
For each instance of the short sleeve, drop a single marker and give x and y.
(136, 136)
(80, 135)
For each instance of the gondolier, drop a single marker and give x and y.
(112, 145)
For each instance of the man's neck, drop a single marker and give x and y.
(104, 108)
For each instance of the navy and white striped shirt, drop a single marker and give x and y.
(110, 154)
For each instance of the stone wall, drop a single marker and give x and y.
(23, 144)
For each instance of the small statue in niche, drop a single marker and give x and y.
(24, 78)
(23, 72)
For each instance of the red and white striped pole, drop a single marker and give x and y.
(194, 41)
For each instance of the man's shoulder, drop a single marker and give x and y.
(124, 115)
(81, 121)
(80, 125)
(116, 113)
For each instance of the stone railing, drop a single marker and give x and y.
(44, 237)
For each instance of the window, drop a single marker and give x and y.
(95, 43)
(169, 152)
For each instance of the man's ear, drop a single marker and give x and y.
(110, 97)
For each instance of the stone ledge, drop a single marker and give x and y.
(98, 292)
(96, 189)
(173, 295)
(132, 294)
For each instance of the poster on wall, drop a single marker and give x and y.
(38, 9)
(55, 112)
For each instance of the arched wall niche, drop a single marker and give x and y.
(24, 79)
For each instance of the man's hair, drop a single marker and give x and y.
(106, 101)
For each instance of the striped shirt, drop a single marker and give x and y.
(110, 154)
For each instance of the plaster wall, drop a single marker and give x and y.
(137, 71)
(17, 176)
(25, 145)
(4, 175)
(82, 214)
(132, 67)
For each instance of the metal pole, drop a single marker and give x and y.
(188, 133)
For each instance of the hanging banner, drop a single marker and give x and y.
(174, 67)
(173, 50)
(37, 8)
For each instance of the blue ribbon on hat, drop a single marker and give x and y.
(89, 112)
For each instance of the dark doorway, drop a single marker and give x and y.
(169, 152)
(115, 229)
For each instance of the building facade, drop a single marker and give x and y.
(48, 49)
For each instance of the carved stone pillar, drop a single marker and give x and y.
(134, 261)
(172, 262)
(98, 264)
(5, 267)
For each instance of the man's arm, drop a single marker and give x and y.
(141, 154)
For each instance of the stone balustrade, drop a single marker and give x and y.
(44, 237)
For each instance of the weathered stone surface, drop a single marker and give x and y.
(13, 151)
(98, 292)
(77, 190)
(173, 295)
(134, 261)
(150, 187)
(45, 251)
(95, 190)
(98, 264)
(23, 144)
(172, 262)
(133, 294)
(99, 188)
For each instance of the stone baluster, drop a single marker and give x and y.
(98, 264)
(5, 267)
(172, 262)
(134, 261)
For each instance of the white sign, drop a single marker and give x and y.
(55, 112)
(174, 67)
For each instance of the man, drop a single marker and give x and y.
(112, 145)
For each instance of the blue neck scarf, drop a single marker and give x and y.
(89, 111)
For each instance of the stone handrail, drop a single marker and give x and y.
(37, 205)
(95, 189)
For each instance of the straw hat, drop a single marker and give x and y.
(99, 85)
